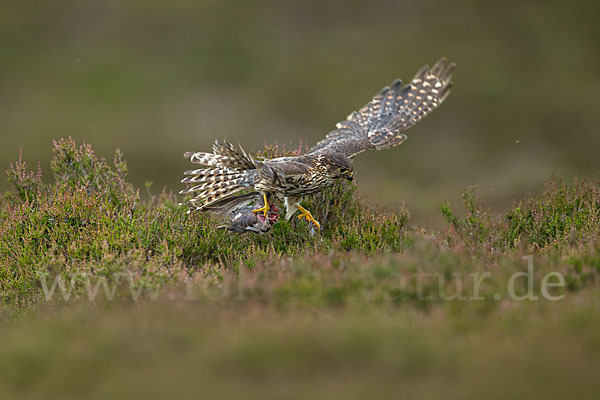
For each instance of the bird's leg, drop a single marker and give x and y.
(264, 209)
(306, 214)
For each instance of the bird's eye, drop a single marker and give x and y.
(343, 170)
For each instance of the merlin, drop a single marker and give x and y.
(378, 125)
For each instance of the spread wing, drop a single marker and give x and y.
(380, 123)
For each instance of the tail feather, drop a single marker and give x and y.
(205, 199)
(216, 188)
(224, 155)
(212, 196)
(211, 178)
(236, 158)
(211, 186)
(227, 205)
(211, 171)
(230, 170)
(208, 205)
(207, 159)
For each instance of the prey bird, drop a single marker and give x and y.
(378, 125)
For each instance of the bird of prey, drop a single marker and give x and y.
(378, 125)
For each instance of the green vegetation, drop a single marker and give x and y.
(158, 80)
(561, 217)
(155, 303)
(91, 223)
(152, 300)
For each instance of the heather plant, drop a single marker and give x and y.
(79, 168)
(562, 217)
(92, 223)
(366, 268)
(478, 231)
(25, 183)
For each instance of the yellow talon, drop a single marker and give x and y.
(264, 209)
(306, 214)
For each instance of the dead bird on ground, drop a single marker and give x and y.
(239, 217)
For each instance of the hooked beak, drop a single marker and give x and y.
(350, 177)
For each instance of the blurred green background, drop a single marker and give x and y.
(159, 78)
